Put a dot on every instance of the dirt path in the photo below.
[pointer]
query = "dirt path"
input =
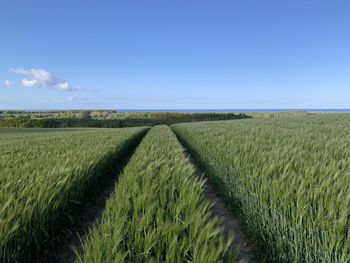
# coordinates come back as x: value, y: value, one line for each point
x: 230, y: 223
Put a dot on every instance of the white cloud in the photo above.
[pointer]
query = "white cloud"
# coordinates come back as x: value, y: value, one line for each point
x: 29, y: 83
x: 41, y: 78
x: 73, y: 98
x: 8, y: 84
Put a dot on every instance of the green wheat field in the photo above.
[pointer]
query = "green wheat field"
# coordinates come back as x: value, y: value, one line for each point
x: 285, y: 179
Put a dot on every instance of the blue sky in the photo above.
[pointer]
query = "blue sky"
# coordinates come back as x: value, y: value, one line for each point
x: 159, y: 54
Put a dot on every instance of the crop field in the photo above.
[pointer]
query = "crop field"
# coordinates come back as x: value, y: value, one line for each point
x: 158, y: 212
x: 287, y: 179
x: 44, y: 175
x: 20, y: 132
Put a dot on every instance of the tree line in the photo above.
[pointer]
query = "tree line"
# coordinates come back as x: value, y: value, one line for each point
x: 155, y: 119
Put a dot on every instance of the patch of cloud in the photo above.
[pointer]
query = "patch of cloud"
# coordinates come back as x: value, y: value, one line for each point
x: 8, y: 84
x: 85, y: 89
x: 73, y: 98
x: 41, y: 78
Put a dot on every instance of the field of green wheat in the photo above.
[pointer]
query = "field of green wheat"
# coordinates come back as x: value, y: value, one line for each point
x: 286, y: 179
x: 43, y: 175
x: 158, y: 212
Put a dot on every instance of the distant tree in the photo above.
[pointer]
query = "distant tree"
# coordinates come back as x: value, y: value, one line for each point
x: 86, y: 115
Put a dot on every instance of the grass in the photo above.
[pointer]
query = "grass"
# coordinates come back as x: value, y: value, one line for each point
x: 19, y: 132
x: 44, y: 176
x: 158, y: 212
x: 288, y: 179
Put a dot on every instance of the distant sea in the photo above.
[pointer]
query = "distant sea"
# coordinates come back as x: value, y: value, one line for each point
x: 201, y: 110
x: 235, y: 110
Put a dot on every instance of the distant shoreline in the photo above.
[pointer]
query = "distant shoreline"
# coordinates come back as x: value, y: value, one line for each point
x: 189, y: 110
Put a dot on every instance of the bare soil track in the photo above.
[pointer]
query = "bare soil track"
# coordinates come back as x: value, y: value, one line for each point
x: 230, y: 223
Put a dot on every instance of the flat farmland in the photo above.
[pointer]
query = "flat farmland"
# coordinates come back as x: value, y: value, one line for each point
x: 282, y: 184
x: 287, y: 178
x: 44, y: 174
